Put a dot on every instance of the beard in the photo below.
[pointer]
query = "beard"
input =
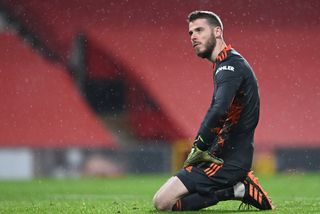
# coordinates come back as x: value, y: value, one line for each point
x: 209, y: 46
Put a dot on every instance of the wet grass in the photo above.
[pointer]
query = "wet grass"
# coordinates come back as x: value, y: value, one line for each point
x: 291, y: 193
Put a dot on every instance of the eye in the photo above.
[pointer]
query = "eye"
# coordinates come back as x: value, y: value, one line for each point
x: 199, y: 29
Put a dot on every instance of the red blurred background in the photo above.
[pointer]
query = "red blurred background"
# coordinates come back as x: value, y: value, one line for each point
x: 145, y: 45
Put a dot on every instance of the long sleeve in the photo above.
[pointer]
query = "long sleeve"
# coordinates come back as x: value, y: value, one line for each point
x: 227, y: 82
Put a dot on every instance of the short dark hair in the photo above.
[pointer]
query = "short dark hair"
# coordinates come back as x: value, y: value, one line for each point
x: 212, y: 18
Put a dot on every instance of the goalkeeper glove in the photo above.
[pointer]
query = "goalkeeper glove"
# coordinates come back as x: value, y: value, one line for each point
x: 197, y: 156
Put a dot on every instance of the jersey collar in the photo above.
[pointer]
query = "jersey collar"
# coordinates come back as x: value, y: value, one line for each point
x: 222, y: 55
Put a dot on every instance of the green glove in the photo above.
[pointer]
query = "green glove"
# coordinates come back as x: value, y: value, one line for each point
x: 197, y: 156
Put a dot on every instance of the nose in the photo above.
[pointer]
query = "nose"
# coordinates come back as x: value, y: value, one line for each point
x: 193, y: 37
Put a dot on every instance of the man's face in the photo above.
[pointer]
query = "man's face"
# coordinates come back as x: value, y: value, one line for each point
x: 202, y: 37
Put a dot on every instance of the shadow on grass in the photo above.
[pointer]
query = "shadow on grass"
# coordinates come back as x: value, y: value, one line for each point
x: 208, y: 211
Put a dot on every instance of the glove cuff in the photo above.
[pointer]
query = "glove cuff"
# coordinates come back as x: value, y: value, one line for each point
x: 201, y: 144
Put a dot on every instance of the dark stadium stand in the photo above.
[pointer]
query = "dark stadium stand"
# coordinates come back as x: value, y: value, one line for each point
x: 161, y: 85
x: 40, y: 104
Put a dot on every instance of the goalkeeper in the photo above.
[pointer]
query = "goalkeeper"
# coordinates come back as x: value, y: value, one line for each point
x: 218, y: 166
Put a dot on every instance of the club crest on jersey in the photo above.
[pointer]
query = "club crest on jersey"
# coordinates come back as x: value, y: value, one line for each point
x: 225, y: 67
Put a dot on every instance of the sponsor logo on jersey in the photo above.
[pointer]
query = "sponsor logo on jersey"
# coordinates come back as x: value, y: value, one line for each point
x: 225, y: 67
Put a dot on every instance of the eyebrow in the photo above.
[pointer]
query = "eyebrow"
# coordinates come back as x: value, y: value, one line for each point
x: 196, y: 29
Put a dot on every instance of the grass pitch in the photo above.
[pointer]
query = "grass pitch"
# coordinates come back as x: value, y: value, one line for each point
x: 298, y: 193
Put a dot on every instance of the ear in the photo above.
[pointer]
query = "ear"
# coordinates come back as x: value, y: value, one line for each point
x: 218, y: 32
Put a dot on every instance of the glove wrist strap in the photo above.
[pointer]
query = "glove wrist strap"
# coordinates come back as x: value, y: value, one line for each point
x: 201, y: 144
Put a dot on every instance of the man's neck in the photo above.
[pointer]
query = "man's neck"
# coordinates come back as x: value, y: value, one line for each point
x: 219, y: 47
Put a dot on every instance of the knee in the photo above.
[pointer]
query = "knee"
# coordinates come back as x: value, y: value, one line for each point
x: 160, y: 203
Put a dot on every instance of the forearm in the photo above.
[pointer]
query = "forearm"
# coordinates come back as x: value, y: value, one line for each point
x: 216, y: 114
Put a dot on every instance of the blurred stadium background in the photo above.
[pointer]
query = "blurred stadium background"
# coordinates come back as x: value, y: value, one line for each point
x: 104, y: 88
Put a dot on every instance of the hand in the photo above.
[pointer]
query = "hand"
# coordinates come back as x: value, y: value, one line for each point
x: 197, y: 156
